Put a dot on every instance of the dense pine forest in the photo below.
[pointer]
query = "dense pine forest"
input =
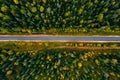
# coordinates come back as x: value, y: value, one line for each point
x: 37, y: 16
x: 59, y: 64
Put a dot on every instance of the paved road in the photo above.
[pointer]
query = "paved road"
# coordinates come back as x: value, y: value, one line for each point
x: 60, y: 38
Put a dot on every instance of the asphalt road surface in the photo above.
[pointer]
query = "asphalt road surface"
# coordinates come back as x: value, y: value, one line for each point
x: 60, y: 38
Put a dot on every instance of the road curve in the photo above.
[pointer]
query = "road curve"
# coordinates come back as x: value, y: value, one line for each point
x: 60, y: 38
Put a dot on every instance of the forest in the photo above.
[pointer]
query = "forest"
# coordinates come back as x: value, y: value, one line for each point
x: 59, y: 16
x: 64, y: 60
x: 60, y: 64
x: 59, y: 61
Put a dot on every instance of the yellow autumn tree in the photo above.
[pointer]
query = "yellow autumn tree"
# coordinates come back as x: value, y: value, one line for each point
x: 44, y: 1
x: 100, y: 17
x: 16, y: 1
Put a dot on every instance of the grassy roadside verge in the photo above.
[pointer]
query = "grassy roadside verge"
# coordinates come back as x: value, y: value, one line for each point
x: 67, y: 31
x: 31, y: 46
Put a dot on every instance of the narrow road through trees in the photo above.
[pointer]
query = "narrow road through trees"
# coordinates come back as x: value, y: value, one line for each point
x: 60, y: 38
